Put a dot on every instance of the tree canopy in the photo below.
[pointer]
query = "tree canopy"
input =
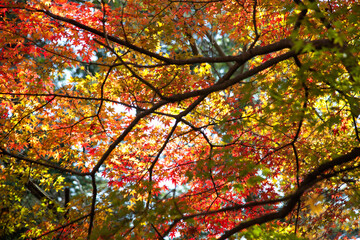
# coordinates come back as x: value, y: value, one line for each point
x: 179, y: 119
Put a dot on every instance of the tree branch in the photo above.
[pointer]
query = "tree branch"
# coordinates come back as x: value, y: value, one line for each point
x: 309, y: 181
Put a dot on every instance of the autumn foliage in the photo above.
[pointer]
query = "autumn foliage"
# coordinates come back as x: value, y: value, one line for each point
x: 204, y: 119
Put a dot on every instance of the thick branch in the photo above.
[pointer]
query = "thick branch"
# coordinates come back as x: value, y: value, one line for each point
x: 309, y: 181
x: 282, y: 44
x: 49, y: 165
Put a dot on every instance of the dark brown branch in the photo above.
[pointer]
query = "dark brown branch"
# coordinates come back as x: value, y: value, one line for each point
x: 65, y: 96
x: 62, y: 227
x: 102, y: 90
x: 233, y: 81
x: 217, y: 47
x: 157, y: 232
x: 297, y: 184
x: 161, y: 150
x: 41, y: 163
x: 282, y: 44
x: 66, y: 201
x: 124, y: 134
x: 356, y: 128
x: 226, y: 209
x: 93, y: 204
x: 301, y: 15
x: 309, y: 181
x: 257, y: 36
x: 27, y: 115
x: 39, y: 193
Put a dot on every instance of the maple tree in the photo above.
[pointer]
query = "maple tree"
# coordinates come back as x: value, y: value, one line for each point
x: 205, y: 119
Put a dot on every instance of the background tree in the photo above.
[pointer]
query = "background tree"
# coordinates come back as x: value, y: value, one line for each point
x: 206, y: 119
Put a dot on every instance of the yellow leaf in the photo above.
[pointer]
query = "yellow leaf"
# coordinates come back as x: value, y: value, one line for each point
x: 315, y: 204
